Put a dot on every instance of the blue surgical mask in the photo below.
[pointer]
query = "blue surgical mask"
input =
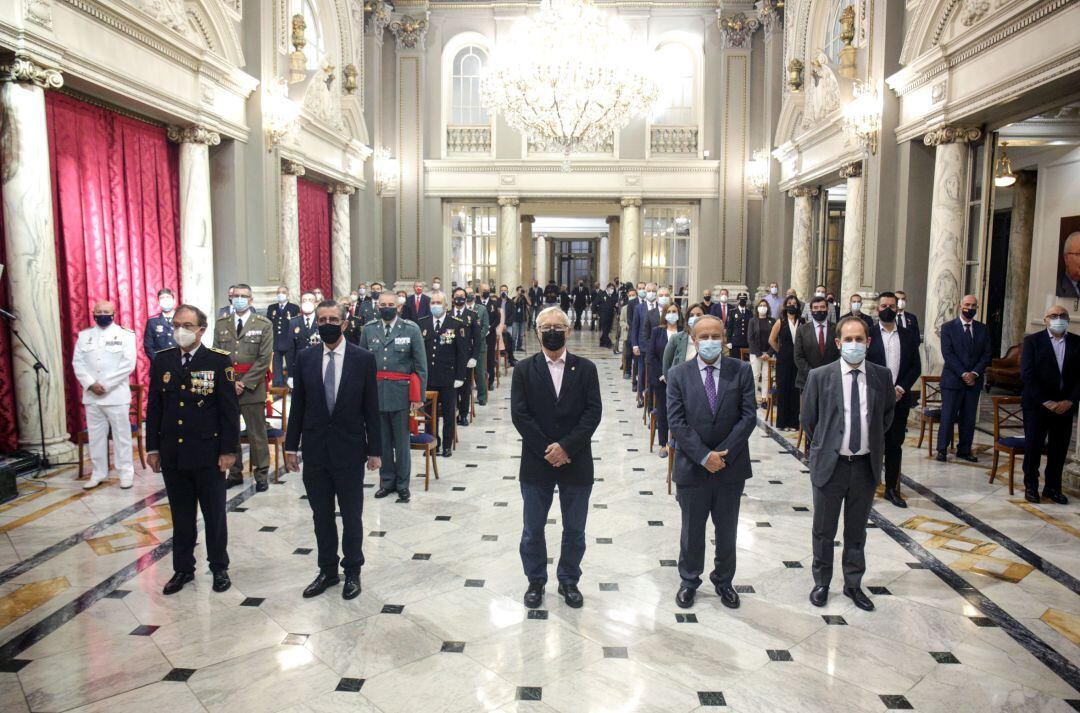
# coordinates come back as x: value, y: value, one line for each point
x: 437, y: 311
x: 671, y: 318
x: 282, y: 298
x: 710, y: 349
x: 240, y: 304
x: 650, y: 296
x: 1058, y: 325
x: 690, y: 322
x: 853, y: 352
x: 664, y: 301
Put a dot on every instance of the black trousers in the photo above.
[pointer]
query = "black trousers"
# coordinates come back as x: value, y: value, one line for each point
x: 958, y: 406
x: 851, y: 488
x: 492, y: 359
x: 279, y: 367
x: 536, y: 504
x: 894, y: 446
x: 577, y: 315
x: 346, y: 485
x: 1046, y: 432
x: 719, y: 497
x: 464, y: 393
x: 448, y: 399
x: 659, y: 390
x: 189, y: 491
x: 605, y: 332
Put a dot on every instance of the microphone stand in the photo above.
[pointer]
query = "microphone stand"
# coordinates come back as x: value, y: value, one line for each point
x: 43, y: 462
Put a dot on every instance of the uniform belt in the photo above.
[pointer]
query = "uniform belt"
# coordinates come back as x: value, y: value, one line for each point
x: 240, y: 368
x: 392, y: 376
x: 854, y: 459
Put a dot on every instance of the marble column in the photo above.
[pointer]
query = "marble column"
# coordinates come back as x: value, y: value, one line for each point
x: 851, y: 274
x: 412, y: 116
x: 196, y: 231
x: 801, y: 241
x: 945, y: 272
x: 341, y: 239
x: 527, y: 269
x: 509, y: 255
x: 31, y: 254
x: 541, y: 260
x: 630, y: 240
x: 614, y: 239
x: 1014, y: 321
x: 603, y: 271
x: 290, y: 228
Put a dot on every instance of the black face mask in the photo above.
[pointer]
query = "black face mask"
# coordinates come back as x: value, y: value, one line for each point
x: 103, y: 320
x: 887, y: 315
x: 792, y: 309
x: 819, y: 315
x: 484, y: 295
x: 330, y: 333
x: 707, y: 298
x: 503, y: 295
x: 388, y: 313
x: 969, y: 314
x: 742, y: 302
x: 459, y: 301
x: 553, y: 341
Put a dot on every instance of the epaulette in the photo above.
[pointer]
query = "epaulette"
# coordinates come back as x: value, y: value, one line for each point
x: 132, y: 331
x: 221, y: 351
x: 166, y: 349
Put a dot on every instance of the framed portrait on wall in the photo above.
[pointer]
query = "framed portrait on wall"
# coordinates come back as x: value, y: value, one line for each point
x: 1068, y: 272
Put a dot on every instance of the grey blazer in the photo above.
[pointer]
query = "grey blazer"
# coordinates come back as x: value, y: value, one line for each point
x: 697, y: 430
x: 675, y: 351
x: 823, y: 417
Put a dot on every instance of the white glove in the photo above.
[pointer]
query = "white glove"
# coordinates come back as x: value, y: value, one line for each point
x: 289, y: 382
x: 471, y: 363
x: 637, y: 351
x: 458, y: 383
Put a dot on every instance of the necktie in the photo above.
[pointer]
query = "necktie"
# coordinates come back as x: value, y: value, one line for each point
x: 185, y: 360
x: 710, y: 387
x: 418, y: 304
x: 388, y: 330
x: 970, y: 336
x: 328, y: 383
x: 821, y: 339
x: 438, y: 326
x: 855, y: 441
x: 239, y: 326
x: 903, y: 320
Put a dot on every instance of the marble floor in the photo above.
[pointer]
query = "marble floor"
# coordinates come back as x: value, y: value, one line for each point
x: 976, y: 594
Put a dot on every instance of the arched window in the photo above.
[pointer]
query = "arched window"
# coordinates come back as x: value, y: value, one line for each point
x: 833, y: 43
x: 465, y: 107
x: 315, y: 49
x: 677, y: 104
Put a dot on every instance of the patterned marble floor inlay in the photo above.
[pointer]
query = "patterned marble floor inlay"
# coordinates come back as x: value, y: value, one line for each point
x: 975, y: 592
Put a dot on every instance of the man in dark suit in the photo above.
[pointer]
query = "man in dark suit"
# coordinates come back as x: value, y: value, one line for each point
x: 897, y: 350
x: 417, y: 305
x: 581, y: 298
x: 192, y: 397
x: 555, y: 406
x: 551, y: 294
x: 1050, y: 370
x: 471, y: 323
x: 303, y: 332
x: 738, y: 323
x: 648, y: 317
x: 280, y: 315
x: 856, y: 303
x: 720, y: 308
x: 965, y: 349
x: 494, y: 315
x: 846, y: 410
x: 447, y: 347
x: 334, y: 420
x: 814, y: 345
x: 536, y: 302
x: 711, y: 414
x: 158, y: 333
x: 906, y: 319
x: 604, y: 304
x: 630, y: 317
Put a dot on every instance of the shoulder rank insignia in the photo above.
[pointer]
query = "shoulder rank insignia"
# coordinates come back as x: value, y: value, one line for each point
x: 230, y: 373
x: 221, y: 351
x: 166, y: 377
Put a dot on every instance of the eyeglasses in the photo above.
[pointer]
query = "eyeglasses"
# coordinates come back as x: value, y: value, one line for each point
x: 554, y: 328
x: 1058, y: 315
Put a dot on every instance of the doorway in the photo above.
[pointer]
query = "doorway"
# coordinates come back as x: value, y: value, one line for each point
x: 574, y: 260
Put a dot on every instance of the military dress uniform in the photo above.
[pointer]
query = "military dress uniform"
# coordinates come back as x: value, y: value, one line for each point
x: 447, y: 347
x: 251, y: 350
x: 398, y: 349
x: 365, y: 310
x: 192, y: 417
x: 483, y: 317
x: 492, y: 344
x: 304, y: 333
x: 471, y: 322
x: 737, y: 326
x: 280, y: 315
x: 352, y: 328
x: 157, y: 335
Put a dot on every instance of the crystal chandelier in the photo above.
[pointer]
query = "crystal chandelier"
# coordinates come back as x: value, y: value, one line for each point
x: 568, y: 79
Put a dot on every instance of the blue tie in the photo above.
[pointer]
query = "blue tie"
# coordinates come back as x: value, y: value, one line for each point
x: 710, y: 387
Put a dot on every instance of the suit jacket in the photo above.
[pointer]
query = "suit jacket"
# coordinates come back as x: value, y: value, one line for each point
x: 280, y: 315
x: 302, y: 337
x: 720, y: 311
x: 581, y: 296
x: 807, y: 356
x: 1039, y: 372
x: 910, y: 361
x: 910, y: 322
x: 409, y: 310
x: 536, y: 296
x: 447, y: 350
x: 1066, y: 288
x: 698, y: 430
x: 823, y: 417
x: 564, y: 300
x: 551, y: 294
x: 344, y: 438
x: 657, y: 343
x: 402, y: 352
x: 962, y: 355
x: 542, y: 418
x: 647, y: 319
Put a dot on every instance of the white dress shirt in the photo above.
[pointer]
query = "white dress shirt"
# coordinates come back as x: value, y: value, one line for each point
x: 702, y: 365
x: 845, y: 373
x: 890, y: 340
x: 339, y: 359
x: 1058, y: 343
x: 556, y: 367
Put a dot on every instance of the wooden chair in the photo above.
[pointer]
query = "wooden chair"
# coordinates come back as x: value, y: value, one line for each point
x: 1008, y: 416
x: 82, y: 438
x: 770, y: 391
x: 275, y: 437
x: 929, y: 408
x: 427, y: 440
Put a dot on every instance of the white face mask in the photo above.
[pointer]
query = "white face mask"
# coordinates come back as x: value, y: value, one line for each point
x: 436, y: 286
x: 901, y: 304
x: 664, y: 301
x: 400, y: 300
x: 819, y: 294
x: 723, y: 299
x: 307, y: 307
x: 166, y: 304
x: 856, y: 307
x: 282, y: 298
x: 671, y: 318
x: 184, y: 337
x: 762, y: 311
x: 354, y: 297
x: 772, y: 290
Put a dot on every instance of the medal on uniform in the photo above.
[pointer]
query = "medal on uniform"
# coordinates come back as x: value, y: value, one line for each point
x: 166, y: 377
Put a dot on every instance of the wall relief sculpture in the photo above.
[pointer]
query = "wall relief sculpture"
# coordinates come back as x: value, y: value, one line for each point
x: 822, y: 92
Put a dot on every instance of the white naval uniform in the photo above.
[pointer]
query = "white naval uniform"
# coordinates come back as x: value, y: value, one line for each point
x: 107, y: 357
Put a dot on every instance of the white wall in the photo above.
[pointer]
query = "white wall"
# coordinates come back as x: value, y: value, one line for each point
x: 1056, y: 197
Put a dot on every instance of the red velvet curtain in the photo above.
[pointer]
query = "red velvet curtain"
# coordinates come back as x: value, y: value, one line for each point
x: 116, y: 199
x: 314, y: 207
x: 9, y: 436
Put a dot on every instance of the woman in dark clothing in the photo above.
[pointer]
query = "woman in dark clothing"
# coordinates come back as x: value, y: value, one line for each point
x: 671, y: 325
x: 757, y: 336
x: 782, y: 341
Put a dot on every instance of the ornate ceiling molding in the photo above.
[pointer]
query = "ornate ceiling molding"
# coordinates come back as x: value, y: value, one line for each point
x: 952, y: 135
x: 736, y: 30
x: 193, y: 135
x: 24, y: 70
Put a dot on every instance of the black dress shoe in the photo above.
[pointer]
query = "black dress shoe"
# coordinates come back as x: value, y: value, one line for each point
x: 320, y: 584
x: 261, y: 486
x: 819, y: 595
x: 177, y: 582
x: 222, y: 581
x: 571, y: 595
x: 481, y: 402
x: 685, y: 597
x: 404, y: 496
x: 1032, y: 496
x: 534, y: 595
x: 968, y: 457
x: 1058, y: 498
x: 351, y: 590
x: 894, y: 497
x: 447, y: 451
x: 233, y: 482
x: 941, y: 457
x: 861, y: 600
x: 383, y: 492
x: 728, y: 596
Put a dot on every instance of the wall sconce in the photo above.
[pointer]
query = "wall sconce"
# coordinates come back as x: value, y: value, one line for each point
x: 757, y: 172
x: 281, y: 115
x: 297, y: 58
x: 795, y: 74
x: 386, y: 171
x: 350, y: 78
x: 1003, y: 170
x: 862, y: 115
